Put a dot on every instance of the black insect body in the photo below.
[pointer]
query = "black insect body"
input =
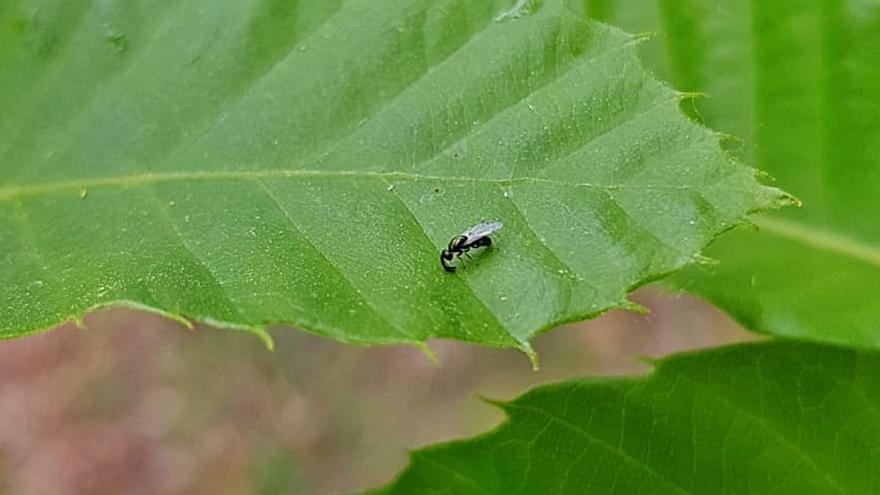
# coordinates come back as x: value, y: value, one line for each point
x: 474, y: 237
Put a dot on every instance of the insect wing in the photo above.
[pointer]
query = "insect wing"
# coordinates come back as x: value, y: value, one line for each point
x: 481, y: 230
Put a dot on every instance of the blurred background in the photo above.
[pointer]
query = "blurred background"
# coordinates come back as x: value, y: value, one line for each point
x: 136, y: 404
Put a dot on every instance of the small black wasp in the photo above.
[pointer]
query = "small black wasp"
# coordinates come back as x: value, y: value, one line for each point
x: 474, y: 237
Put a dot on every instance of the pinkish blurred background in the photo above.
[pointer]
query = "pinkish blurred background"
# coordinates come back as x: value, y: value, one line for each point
x: 139, y: 405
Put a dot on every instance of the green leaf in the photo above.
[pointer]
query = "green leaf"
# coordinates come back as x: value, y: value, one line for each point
x: 252, y: 162
x: 800, y: 82
x: 776, y: 417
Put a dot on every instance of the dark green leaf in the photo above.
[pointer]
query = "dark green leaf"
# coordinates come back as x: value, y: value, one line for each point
x: 761, y: 418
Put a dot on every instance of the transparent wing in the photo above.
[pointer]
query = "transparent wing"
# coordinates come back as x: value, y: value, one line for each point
x: 482, y: 229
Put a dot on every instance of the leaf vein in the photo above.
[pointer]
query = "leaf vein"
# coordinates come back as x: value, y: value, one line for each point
x: 292, y: 223
x: 821, y: 239
x: 504, y: 108
x: 11, y: 192
x: 465, y: 282
x: 645, y: 467
x: 389, y: 103
x: 163, y: 209
x: 783, y: 441
x: 260, y: 76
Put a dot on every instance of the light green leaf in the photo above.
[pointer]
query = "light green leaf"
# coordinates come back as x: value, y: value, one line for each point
x: 800, y: 82
x: 254, y: 162
x: 777, y: 417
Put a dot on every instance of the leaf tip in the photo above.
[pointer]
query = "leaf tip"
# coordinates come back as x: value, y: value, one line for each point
x: 704, y: 260
x: 639, y: 38
x: 260, y: 331
x: 650, y: 361
x: 690, y: 95
x: 266, y: 337
x: 634, y: 307
x: 78, y: 321
x: 526, y: 348
x: 183, y: 320
x: 427, y: 352
x: 786, y: 199
x: 729, y: 139
x: 773, y: 197
x: 500, y: 404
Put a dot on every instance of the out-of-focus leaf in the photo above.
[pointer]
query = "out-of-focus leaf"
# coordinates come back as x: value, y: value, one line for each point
x: 774, y: 417
x: 800, y: 83
x: 252, y: 162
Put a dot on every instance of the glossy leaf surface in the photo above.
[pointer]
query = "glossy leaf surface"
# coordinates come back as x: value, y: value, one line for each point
x: 254, y: 162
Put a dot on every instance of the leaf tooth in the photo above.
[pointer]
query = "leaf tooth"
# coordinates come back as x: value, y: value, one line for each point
x: 630, y: 305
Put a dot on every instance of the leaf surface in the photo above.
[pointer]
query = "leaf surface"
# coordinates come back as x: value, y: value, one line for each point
x: 800, y: 83
x: 252, y: 162
x: 775, y: 417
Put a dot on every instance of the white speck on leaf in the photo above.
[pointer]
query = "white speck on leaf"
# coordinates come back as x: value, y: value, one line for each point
x: 518, y: 10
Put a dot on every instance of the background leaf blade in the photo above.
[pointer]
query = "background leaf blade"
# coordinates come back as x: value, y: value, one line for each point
x: 798, y: 82
x: 770, y: 417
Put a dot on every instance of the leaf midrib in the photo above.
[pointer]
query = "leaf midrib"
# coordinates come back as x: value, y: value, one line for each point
x: 821, y: 239
x: 13, y: 192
